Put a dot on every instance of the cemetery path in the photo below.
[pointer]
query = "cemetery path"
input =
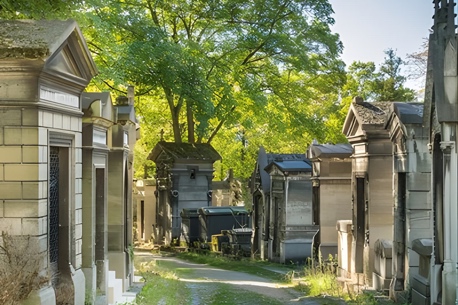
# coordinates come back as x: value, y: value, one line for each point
x: 203, y: 280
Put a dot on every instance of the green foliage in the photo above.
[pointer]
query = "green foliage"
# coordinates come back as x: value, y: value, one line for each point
x: 384, y: 84
x: 36, y: 9
x: 210, y: 61
x: 236, y: 74
x: 389, y: 83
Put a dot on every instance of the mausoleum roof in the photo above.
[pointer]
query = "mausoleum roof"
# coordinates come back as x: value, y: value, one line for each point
x: 184, y: 151
x: 409, y: 113
x: 33, y: 39
x: 329, y: 150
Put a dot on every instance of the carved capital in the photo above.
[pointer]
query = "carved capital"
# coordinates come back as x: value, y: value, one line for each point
x: 447, y: 146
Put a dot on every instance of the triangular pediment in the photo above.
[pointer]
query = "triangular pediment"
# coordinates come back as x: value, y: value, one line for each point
x: 56, y: 47
x: 352, y: 126
x: 65, y: 63
x: 71, y: 59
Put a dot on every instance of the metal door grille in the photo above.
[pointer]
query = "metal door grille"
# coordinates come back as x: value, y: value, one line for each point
x: 53, y: 204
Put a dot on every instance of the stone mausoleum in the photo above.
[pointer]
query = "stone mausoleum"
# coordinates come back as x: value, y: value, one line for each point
x: 65, y: 164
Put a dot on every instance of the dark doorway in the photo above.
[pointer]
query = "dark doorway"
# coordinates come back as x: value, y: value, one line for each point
x: 360, y: 223
x: 100, y: 221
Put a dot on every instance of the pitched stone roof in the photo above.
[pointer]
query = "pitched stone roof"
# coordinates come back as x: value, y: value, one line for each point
x: 372, y: 113
x: 329, y: 150
x: 32, y: 39
x: 409, y: 113
x: 184, y: 151
x: 290, y: 166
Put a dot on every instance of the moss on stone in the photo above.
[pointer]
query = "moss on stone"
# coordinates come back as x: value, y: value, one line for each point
x: 28, y: 38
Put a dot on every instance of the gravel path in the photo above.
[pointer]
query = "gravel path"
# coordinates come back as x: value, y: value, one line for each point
x: 203, y: 279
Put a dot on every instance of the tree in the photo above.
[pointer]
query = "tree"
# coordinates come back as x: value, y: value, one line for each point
x: 363, y: 79
x: 205, y: 71
x: 36, y: 9
x: 388, y: 84
x: 209, y: 62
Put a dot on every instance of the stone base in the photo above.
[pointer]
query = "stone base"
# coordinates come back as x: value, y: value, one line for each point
x: 79, y: 284
x: 44, y: 296
x: 419, y: 299
x: 380, y: 283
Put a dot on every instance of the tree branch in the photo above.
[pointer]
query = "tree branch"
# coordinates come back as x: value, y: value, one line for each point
x: 220, y: 124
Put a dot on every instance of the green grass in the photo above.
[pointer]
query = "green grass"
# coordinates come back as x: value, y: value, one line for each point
x: 317, y: 283
x: 163, y: 287
x: 250, y: 266
x: 230, y: 295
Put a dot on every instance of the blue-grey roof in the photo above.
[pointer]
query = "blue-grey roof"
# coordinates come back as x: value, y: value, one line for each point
x: 264, y: 159
x: 225, y: 210
x: 409, y: 113
x: 291, y: 166
x: 126, y: 112
x: 329, y: 151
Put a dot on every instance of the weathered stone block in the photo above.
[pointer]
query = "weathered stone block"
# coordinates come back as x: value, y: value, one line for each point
x: 32, y: 190
x: 10, y: 82
x: 418, y: 181
x: 78, y: 171
x: 10, y: 154
x: 22, y: 172
x: 30, y: 154
x: 78, y: 216
x: 21, y: 208
x: 42, y: 136
x: 11, y: 225
x: 78, y: 261
x: 78, y: 186
x: 78, y: 155
x: 75, y: 124
x: 10, y: 116
x: 57, y: 120
x: 418, y: 200
x: 78, y: 201
x: 12, y: 136
x: 21, y: 136
x: 10, y: 190
x: 34, y: 226
x: 30, y: 117
x: 78, y: 140
x: 46, y: 119
x: 78, y: 231
x: 66, y: 122
x: 30, y: 136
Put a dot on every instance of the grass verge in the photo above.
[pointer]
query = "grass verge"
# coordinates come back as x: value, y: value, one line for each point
x: 161, y: 286
x: 247, y: 265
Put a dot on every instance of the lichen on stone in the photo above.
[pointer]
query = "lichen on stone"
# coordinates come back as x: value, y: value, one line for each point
x: 29, y: 39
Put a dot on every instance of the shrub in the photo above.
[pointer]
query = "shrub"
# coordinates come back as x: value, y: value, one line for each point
x: 20, y: 266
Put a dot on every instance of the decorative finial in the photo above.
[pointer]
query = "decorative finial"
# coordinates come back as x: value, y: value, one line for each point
x: 358, y: 100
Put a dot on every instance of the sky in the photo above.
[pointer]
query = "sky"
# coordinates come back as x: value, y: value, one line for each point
x: 368, y: 27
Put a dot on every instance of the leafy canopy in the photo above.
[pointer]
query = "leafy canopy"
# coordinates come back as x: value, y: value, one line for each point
x: 209, y: 63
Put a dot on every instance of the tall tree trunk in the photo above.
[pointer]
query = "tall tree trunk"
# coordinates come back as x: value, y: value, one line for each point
x: 176, y: 126
x: 175, y: 114
x: 190, y: 119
